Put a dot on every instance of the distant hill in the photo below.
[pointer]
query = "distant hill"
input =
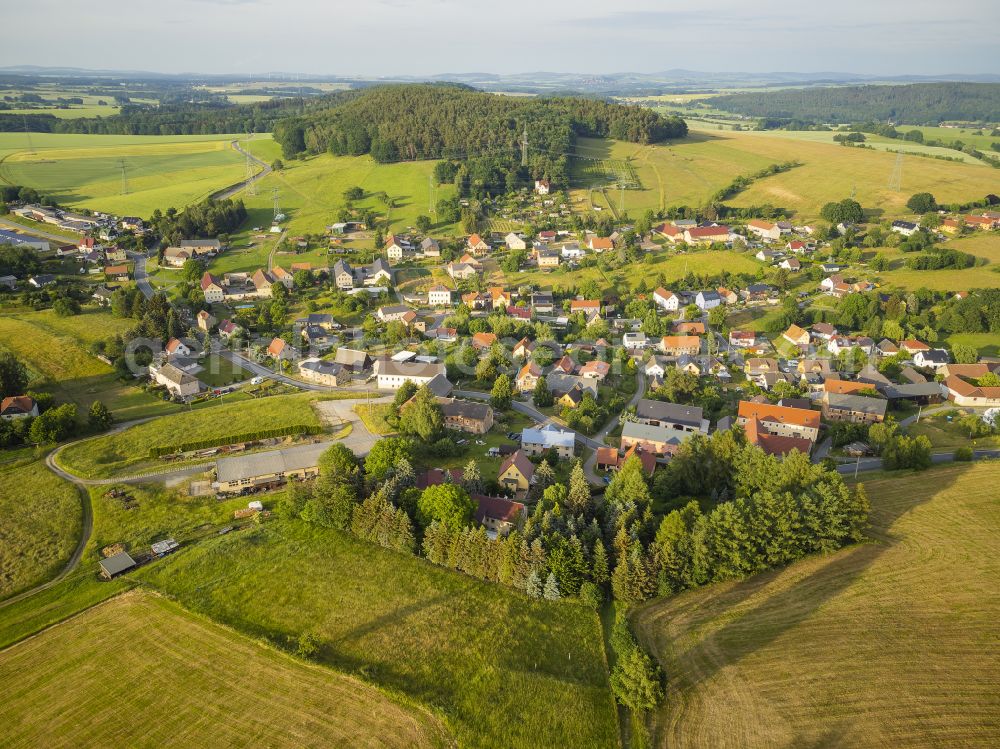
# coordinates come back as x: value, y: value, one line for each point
x: 915, y: 104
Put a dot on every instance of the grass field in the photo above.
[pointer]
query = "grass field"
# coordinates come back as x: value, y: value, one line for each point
x: 373, y: 417
x: 140, y: 671
x: 55, y: 350
x: 981, y: 244
x: 84, y: 171
x: 40, y: 527
x: 506, y: 671
x: 110, y: 454
x: 948, y: 435
x: 891, y: 643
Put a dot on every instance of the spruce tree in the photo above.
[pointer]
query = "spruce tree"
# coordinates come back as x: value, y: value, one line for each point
x: 534, y: 585
x: 578, y: 498
x: 551, y: 591
x: 472, y: 480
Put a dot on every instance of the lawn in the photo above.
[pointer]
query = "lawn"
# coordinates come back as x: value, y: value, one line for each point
x: 948, y: 435
x: 55, y: 350
x: 373, y: 416
x: 504, y: 671
x: 982, y: 244
x: 890, y: 643
x: 141, y: 671
x: 85, y: 171
x: 218, y: 371
x: 110, y: 454
x: 40, y: 527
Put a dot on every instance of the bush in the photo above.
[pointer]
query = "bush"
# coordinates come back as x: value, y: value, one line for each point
x: 963, y: 454
x: 260, y: 434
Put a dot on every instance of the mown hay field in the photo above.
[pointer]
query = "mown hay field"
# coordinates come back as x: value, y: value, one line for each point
x: 891, y: 643
x: 140, y: 671
x: 505, y: 670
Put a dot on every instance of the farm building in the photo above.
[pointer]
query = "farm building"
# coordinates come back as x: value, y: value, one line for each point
x: 267, y: 469
x: 116, y: 565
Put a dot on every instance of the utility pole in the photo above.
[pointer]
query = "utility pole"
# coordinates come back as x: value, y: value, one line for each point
x: 896, y: 179
x: 524, y: 147
x: 430, y: 194
x: 251, y: 188
x: 27, y: 133
x: 121, y: 163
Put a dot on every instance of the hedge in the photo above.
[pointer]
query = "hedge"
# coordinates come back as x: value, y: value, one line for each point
x: 157, y: 452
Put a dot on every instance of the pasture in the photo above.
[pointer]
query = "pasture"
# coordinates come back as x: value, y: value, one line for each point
x: 504, y: 670
x: 140, y: 671
x: 110, y: 454
x: 41, y: 515
x: 889, y: 643
x: 985, y: 245
x: 55, y: 350
x: 84, y: 171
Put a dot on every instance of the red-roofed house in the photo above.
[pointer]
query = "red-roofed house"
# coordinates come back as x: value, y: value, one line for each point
x: 516, y: 473
x: 499, y: 515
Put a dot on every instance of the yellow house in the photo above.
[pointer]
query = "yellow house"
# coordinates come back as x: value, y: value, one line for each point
x: 516, y: 473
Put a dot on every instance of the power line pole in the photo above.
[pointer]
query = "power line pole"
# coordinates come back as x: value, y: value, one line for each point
x: 250, y: 182
x: 274, y: 197
x: 27, y: 133
x: 430, y: 194
x: 524, y: 147
x: 896, y: 180
x: 121, y: 162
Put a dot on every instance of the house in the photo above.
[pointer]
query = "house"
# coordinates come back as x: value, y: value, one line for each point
x: 117, y: 273
x: 473, y: 417
x: 706, y: 234
x: 963, y: 393
x: 572, y: 251
x: 343, y: 275
x: 591, y: 308
x: 393, y: 248
x: 742, y: 338
x: 782, y: 421
x: 317, y: 337
x: 527, y: 377
x: 561, y: 384
x: 462, y: 271
x: 542, y: 186
x: 212, y: 289
x: 886, y: 347
x: 322, y: 371
x: 390, y: 375
x: 500, y: 298
x: 676, y: 345
x: 523, y: 348
x: 102, y: 294
x: 549, y: 437
x: 797, y: 246
x: 477, y: 245
x: 572, y: 398
x: 352, y: 359
x: 178, y: 382
x: 911, y: 375
x: 268, y: 469
x: 845, y: 387
x: 906, y: 228
x: 609, y: 459
x: 633, y: 341
x: 796, y: 335
x: 565, y: 365
x: 823, y: 331
x: 499, y: 515
x: 727, y: 296
x: 176, y: 347
x: 951, y: 226
x: 443, y: 334
x: 671, y: 232
x: 516, y: 473
x: 595, y: 370
x: 279, y: 350
x: 547, y: 235
x: 979, y: 222
x: 706, y: 300
x: 379, y: 273
x: 205, y: 320
x: 175, y: 257
x: 656, y: 440
x: 921, y: 393
x: 542, y: 302
x: 655, y: 367
x: 392, y: 312
x: 283, y: 277
x: 483, y: 341
x: 774, y: 444
x: 755, y: 293
x: 791, y: 264
x: 673, y: 415
x: 548, y: 259
x: 18, y: 407
x: 198, y: 247
x: 515, y: 242
x: 767, y: 256
x: 764, y: 230
x: 858, y: 409
x: 912, y: 346
x: 116, y: 564
x: 668, y: 300
x: 430, y: 247
x: 600, y: 244
x: 689, y: 327
x: 439, y: 296
x: 227, y: 329
x: 934, y: 358
x: 42, y: 280
x: 755, y: 366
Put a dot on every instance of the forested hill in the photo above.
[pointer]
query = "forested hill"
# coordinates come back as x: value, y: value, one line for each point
x: 398, y: 122
x: 913, y: 104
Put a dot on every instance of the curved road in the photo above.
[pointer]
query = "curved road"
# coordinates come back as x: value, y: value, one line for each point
x: 229, y: 192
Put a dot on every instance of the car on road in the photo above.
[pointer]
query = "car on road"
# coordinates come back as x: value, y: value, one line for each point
x: 257, y: 380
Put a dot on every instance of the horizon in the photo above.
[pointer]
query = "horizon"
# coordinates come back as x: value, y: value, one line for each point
x: 889, y: 39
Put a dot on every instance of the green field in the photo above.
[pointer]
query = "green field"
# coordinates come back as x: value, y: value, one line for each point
x: 84, y: 171
x: 948, y: 435
x: 504, y: 671
x: 890, y: 643
x: 140, y: 671
x: 110, y: 454
x: 55, y: 350
x: 981, y: 244
x: 41, y: 516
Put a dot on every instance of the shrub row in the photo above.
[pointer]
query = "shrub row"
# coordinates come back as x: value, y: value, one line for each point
x: 259, y: 434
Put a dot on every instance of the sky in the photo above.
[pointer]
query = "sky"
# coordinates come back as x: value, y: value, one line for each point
x: 427, y: 37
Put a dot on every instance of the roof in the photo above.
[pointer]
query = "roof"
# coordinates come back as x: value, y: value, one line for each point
x: 439, y: 384
x: 208, y: 280
x: 116, y: 270
x: 475, y: 410
x: 408, y: 369
x: 549, y: 436
x: 276, y: 347
x: 781, y: 414
x: 321, y: 366
x: 529, y: 369
x: 117, y: 563
x: 497, y: 508
x: 649, y: 433
x: 200, y: 243
x: 856, y: 403
x: 680, y: 341
x: 17, y: 404
x: 351, y: 357
x: 912, y: 390
x: 708, y: 231
x: 935, y: 355
x: 845, y: 387
x: 795, y: 333
x: 760, y: 224
x: 774, y: 444
x: 661, y: 411
x: 519, y: 461
x: 269, y: 462
x: 175, y: 375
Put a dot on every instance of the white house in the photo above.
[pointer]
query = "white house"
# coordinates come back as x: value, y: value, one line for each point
x: 390, y: 375
x: 668, y: 300
x: 934, y: 358
x: 572, y: 252
x: 515, y: 242
x: 542, y: 186
x: 906, y: 228
x: 439, y: 296
x: 707, y: 299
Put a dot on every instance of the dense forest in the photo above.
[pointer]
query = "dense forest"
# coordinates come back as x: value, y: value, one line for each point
x: 483, y: 131
x: 914, y: 104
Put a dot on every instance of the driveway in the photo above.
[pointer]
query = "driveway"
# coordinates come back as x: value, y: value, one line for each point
x: 361, y: 439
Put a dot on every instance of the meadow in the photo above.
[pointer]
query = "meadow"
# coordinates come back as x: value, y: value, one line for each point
x: 140, y: 671
x: 42, y: 515
x: 84, y: 171
x: 503, y: 670
x: 888, y: 643
x: 55, y: 350
x: 985, y: 245
x: 109, y: 454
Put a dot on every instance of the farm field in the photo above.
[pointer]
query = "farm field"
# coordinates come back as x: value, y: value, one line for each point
x: 311, y: 191
x: 70, y: 112
x: 505, y: 670
x: 888, y: 643
x: 55, y: 350
x: 41, y: 515
x: 108, y: 454
x: 689, y: 171
x: 878, y: 142
x: 89, y: 681
x: 982, y: 244
x: 84, y: 171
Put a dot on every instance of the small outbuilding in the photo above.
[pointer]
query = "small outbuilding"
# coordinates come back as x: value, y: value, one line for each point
x: 116, y: 565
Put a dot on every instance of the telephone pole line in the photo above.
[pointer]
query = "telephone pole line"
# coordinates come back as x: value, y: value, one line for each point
x: 524, y: 147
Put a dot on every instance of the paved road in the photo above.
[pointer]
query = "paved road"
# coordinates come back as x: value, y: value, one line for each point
x: 36, y: 232
x: 590, y: 464
x: 875, y: 464
x: 229, y: 192
x: 140, y: 274
x: 361, y: 439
